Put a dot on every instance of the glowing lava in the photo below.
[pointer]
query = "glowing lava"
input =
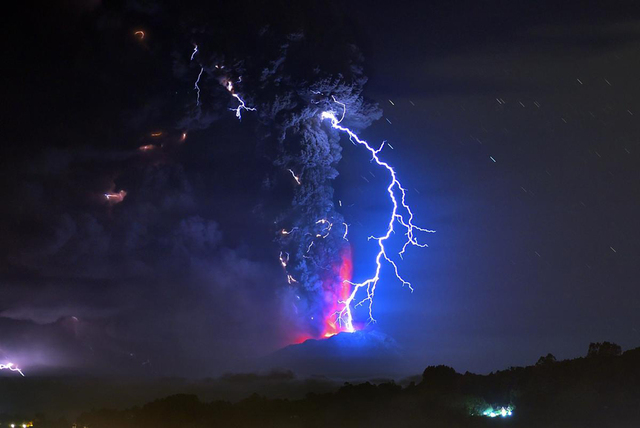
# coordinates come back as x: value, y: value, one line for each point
x: 339, y: 286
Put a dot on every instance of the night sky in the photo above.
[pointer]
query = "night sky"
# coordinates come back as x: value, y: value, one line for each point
x: 514, y: 128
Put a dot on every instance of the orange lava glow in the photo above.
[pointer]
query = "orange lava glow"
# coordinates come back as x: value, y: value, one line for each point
x: 337, y: 293
x: 301, y: 338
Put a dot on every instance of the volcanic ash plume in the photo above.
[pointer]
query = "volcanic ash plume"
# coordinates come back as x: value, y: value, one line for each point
x: 289, y: 93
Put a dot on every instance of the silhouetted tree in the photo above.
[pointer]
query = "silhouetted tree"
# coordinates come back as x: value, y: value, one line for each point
x: 544, y: 361
x: 442, y: 377
x: 604, y: 349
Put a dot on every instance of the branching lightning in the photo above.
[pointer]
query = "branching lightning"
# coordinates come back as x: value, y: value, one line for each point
x: 401, y: 215
x: 12, y: 367
x: 242, y: 105
x: 228, y: 84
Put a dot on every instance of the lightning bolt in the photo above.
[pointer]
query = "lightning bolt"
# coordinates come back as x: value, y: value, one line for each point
x: 195, y: 51
x: 241, y: 107
x: 12, y: 367
x: 284, y: 258
x: 288, y: 232
x: 327, y: 225
x: 115, y: 197
x: 295, y: 177
x: 196, y: 87
x: 346, y: 231
x: 401, y: 216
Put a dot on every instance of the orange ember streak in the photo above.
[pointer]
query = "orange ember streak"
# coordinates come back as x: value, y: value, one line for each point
x: 139, y: 33
x: 146, y: 148
x: 156, y: 134
x: 184, y: 136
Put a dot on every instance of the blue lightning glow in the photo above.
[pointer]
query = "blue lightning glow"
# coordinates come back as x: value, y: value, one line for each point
x: 195, y: 51
x: 404, y: 219
x: 242, y: 106
x: 12, y: 367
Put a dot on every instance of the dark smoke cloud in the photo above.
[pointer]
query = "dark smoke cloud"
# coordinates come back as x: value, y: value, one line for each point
x: 150, y: 267
x: 183, y: 272
x: 291, y: 77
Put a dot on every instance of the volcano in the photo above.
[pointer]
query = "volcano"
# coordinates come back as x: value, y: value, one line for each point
x: 362, y: 354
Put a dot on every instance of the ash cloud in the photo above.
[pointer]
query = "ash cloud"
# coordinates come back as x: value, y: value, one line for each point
x: 183, y: 272
x: 153, y: 273
x: 291, y: 75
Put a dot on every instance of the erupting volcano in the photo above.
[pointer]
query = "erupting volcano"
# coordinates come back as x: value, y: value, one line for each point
x: 338, y: 291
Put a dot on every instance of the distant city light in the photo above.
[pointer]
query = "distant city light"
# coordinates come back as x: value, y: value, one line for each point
x: 501, y: 411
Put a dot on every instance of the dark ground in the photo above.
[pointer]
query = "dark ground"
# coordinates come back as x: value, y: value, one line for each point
x: 598, y: 390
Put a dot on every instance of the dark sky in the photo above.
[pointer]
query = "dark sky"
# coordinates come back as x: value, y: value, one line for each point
x: 514, y: 128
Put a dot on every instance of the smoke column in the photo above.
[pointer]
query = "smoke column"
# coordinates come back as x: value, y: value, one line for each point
x: 286, y: 82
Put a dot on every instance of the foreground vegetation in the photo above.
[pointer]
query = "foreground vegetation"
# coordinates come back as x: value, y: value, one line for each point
x: 601, y: 389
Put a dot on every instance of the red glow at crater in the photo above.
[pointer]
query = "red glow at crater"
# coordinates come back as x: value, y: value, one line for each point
x: 336, y: 291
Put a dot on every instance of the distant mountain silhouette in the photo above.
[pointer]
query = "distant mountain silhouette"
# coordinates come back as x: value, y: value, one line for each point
x: 363, y: 354
x: 599, y: 390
